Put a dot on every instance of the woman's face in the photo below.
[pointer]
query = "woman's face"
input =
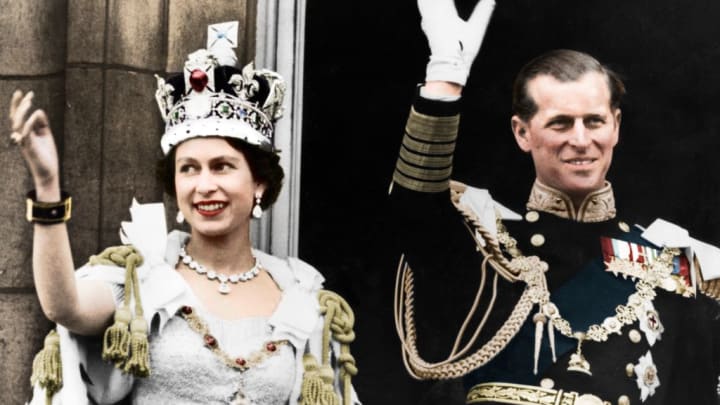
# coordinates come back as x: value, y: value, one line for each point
x: 214, y: 186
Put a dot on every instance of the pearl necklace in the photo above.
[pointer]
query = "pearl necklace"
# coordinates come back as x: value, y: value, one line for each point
x: 223, y: 279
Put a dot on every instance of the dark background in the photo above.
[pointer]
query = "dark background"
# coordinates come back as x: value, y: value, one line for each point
x: 363, y: 60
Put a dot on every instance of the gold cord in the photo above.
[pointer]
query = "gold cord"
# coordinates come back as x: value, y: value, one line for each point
x: 528, y: 269
x: 480, y: 326
x: 125, y: 341
x: 473, y: 308
x: 339, y: 321
x: 454, y: 366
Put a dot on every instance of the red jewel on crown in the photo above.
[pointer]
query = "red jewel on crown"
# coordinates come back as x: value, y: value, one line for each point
x: 198, y: 80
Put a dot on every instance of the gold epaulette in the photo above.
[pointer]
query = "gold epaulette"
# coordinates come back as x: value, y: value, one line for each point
x: 711, y: 288
x: 486, y: 243
x: 426, y: 154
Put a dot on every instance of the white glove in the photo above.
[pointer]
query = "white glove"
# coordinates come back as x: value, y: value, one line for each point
x: 454, y: 43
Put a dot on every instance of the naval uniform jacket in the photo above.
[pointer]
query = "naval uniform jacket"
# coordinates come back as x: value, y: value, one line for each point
x: 447, y: 274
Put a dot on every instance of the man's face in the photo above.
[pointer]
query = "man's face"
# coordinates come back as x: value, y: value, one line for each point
x: 572, y: 135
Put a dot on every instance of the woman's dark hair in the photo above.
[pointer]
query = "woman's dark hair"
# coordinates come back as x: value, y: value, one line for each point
x: 264, y: 167
x: 565, y: 66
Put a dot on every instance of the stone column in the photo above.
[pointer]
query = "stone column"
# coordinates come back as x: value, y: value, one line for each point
x: 32, y: 57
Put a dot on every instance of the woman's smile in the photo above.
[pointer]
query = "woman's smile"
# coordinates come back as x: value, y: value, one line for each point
x: 210, y: 208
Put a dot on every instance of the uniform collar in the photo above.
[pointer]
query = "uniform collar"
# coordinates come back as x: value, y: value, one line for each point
x: 597, y: 206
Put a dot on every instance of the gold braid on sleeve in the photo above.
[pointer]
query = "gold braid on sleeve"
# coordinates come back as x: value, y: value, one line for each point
x: 425, y: 160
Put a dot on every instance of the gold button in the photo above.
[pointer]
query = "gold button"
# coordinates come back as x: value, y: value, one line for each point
x: 537, y: 240
x: 635, y: 336
x: 624, y: 226
x: 623, y: 400
x: 630, y: 370
x: 532, y: 216
x: 547, y: 383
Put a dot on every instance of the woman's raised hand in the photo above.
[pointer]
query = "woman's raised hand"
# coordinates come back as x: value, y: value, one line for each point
x: 31, y: 131
x: 453, y: 42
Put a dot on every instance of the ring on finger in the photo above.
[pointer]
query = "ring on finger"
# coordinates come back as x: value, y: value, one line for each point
x: 17, y: 137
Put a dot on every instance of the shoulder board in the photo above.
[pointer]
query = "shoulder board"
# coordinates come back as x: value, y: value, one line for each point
x: 483, y: 218
x: 710, y: 288
x: 705, y: 257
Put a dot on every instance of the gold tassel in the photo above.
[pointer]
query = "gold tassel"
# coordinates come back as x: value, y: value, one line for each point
x: 328, y: 395
x: 317, y: 385
x: 116, y: 340
x: 47, y: 366
x: 312, y: 383
x: 329, y: 398
x: 125, y: 342
x: 327, y: 374
x: 539, y: 320
x: 139, y: 362
x: 551, y: 337
x: 339, y: 321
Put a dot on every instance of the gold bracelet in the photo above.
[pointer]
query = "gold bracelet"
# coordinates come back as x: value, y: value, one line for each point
x: 48, y: 213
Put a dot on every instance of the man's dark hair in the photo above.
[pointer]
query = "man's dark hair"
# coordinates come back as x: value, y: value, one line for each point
x: 565, y: 66
x: 264, y: 166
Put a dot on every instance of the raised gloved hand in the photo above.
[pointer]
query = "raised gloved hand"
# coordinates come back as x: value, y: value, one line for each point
x: 454, y: 43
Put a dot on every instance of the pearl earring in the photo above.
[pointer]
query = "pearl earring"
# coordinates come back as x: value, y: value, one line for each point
x: 257, y: 209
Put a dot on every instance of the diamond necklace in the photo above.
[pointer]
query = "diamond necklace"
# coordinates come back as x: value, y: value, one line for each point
x: 223, y: 279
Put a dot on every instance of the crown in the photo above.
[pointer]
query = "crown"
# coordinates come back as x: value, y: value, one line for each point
x: 213, y: 98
